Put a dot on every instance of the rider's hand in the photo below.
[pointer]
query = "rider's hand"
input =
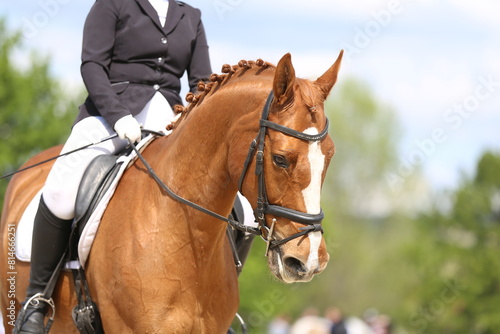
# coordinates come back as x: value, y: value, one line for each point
x: 128, y: 127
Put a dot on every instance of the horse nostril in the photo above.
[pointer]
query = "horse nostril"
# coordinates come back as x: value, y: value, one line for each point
x: 294, y: 264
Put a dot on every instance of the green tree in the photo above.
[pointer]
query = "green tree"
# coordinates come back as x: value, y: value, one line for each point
x: 365, y: 132
x: 36, y: 112
x: 457, y: 286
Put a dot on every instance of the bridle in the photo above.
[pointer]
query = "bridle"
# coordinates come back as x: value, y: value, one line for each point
x: 312, y: 222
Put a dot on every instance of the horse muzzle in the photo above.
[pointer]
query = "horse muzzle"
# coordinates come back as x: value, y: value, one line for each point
x: 292, y: 263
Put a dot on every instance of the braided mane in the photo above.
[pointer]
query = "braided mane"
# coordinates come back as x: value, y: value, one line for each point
x: 215, y: 81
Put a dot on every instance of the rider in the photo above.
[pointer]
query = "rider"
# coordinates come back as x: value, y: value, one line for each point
x: 134, y: 54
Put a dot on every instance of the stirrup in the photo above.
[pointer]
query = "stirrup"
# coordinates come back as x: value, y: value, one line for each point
x: 35, y: 301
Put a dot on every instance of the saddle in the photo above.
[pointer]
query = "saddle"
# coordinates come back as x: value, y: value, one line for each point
x: 96, y: 180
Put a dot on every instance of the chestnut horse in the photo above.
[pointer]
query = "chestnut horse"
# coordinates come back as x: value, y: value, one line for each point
x: 161, y: 266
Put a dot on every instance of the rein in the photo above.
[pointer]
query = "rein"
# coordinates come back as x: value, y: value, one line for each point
x: 233, y: 223
x: 312, y: 221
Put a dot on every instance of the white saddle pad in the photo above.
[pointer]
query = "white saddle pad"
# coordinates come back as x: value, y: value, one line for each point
x: 25, y: 227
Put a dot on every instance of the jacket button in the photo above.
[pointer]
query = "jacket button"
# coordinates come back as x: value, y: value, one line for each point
x: 160, y: 59
x: 163, y: 40
x: 156, y: 87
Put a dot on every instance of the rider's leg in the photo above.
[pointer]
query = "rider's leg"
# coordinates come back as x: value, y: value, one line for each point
x: 62, y: 183
x: 52, y: 224
x: 50, y: 236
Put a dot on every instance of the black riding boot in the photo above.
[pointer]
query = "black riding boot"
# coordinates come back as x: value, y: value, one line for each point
x: 50, y: 238
x: 243, y: 244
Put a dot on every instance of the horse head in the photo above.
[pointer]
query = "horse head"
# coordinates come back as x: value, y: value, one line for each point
x: 295, y: 151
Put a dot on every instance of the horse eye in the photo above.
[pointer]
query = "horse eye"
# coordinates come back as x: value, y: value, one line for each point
x: 280, y: 161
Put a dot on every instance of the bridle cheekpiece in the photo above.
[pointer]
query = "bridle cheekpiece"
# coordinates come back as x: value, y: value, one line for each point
x: 312, y: 222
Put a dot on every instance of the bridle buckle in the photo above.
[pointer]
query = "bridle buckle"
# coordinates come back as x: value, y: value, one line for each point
x: 269, y: 238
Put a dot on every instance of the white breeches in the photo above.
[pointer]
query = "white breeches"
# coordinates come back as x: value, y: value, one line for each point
x: 61, y: 186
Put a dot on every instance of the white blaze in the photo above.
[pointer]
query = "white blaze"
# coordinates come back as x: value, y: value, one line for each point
x: 311, y: 195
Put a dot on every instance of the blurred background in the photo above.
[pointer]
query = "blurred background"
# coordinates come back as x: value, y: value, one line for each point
x: 412, y: 196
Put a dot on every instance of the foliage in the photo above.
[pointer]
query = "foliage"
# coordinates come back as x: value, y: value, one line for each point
x: 457, y: 289
x: 365, y: 132
x: 36, y: 112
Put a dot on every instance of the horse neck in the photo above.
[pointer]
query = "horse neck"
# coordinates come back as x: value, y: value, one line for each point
x: 202, y: 148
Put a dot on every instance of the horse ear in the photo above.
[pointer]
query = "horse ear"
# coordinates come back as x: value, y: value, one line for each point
x: 328, y: 79
x: 284, y: 79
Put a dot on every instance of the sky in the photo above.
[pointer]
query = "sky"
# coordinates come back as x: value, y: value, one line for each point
x: 435, y: 62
